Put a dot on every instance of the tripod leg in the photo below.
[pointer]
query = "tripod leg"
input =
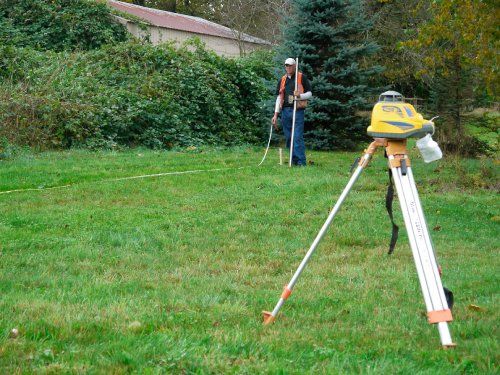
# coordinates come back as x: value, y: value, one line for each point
x: 269, y: 317
x: 423, y: 253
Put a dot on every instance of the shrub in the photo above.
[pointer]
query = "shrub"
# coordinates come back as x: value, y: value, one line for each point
x: 58, y: 24
x: 132, y: 94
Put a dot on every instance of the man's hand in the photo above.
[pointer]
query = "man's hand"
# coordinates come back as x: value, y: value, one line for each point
x: 296, y: 94
x: 275, y: 121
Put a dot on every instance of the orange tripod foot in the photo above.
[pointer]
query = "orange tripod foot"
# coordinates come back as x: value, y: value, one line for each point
x: 268, y: 318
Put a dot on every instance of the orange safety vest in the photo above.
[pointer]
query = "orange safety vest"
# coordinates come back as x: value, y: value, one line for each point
x: 300, y: 103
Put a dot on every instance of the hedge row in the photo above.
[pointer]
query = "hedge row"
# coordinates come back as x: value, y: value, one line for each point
x: 131, y: 94
x: 58, y: 25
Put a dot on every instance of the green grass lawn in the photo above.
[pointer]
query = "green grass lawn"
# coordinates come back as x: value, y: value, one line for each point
x: 170, y: 274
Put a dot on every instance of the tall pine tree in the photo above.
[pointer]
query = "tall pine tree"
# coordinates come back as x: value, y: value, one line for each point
x: 329, y: 36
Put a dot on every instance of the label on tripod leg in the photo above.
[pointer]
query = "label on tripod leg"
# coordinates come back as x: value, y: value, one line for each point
x: 416, y: 222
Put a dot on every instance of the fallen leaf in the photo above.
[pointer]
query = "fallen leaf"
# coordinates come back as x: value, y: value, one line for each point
x: 475, y: 308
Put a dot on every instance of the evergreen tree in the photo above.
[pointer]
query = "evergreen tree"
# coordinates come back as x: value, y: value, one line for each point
x: 329, y: 37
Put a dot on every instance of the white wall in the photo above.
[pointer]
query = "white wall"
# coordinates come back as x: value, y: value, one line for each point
x: 222, y: 46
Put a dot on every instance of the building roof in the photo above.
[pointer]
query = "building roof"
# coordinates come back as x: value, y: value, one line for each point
x: 176, y: 21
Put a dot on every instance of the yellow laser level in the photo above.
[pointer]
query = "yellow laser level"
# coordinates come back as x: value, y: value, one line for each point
x: 392, y: 118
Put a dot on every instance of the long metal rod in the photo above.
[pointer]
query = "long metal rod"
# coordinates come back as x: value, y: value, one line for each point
x: 294, y: 111
x: 288, y: 289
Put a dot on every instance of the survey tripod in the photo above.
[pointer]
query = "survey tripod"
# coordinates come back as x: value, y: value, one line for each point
x: 436, y: 303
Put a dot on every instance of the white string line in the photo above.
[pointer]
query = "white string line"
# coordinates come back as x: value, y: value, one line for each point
x: 148, y: 175
x: 174, y: 173
x: 35, y: 189
x: 268, y: 144
x: 128, y: 178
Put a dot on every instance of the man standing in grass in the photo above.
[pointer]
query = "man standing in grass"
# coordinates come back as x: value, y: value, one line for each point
x: 286, y: 95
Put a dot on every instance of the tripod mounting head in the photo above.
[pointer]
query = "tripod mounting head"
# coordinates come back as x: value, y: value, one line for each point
x: 392, y: 118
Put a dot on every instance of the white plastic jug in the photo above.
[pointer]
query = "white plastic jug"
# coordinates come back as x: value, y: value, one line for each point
x: 429, y: 149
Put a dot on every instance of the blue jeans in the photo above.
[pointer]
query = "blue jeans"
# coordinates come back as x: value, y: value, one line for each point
x: 299, y: 148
